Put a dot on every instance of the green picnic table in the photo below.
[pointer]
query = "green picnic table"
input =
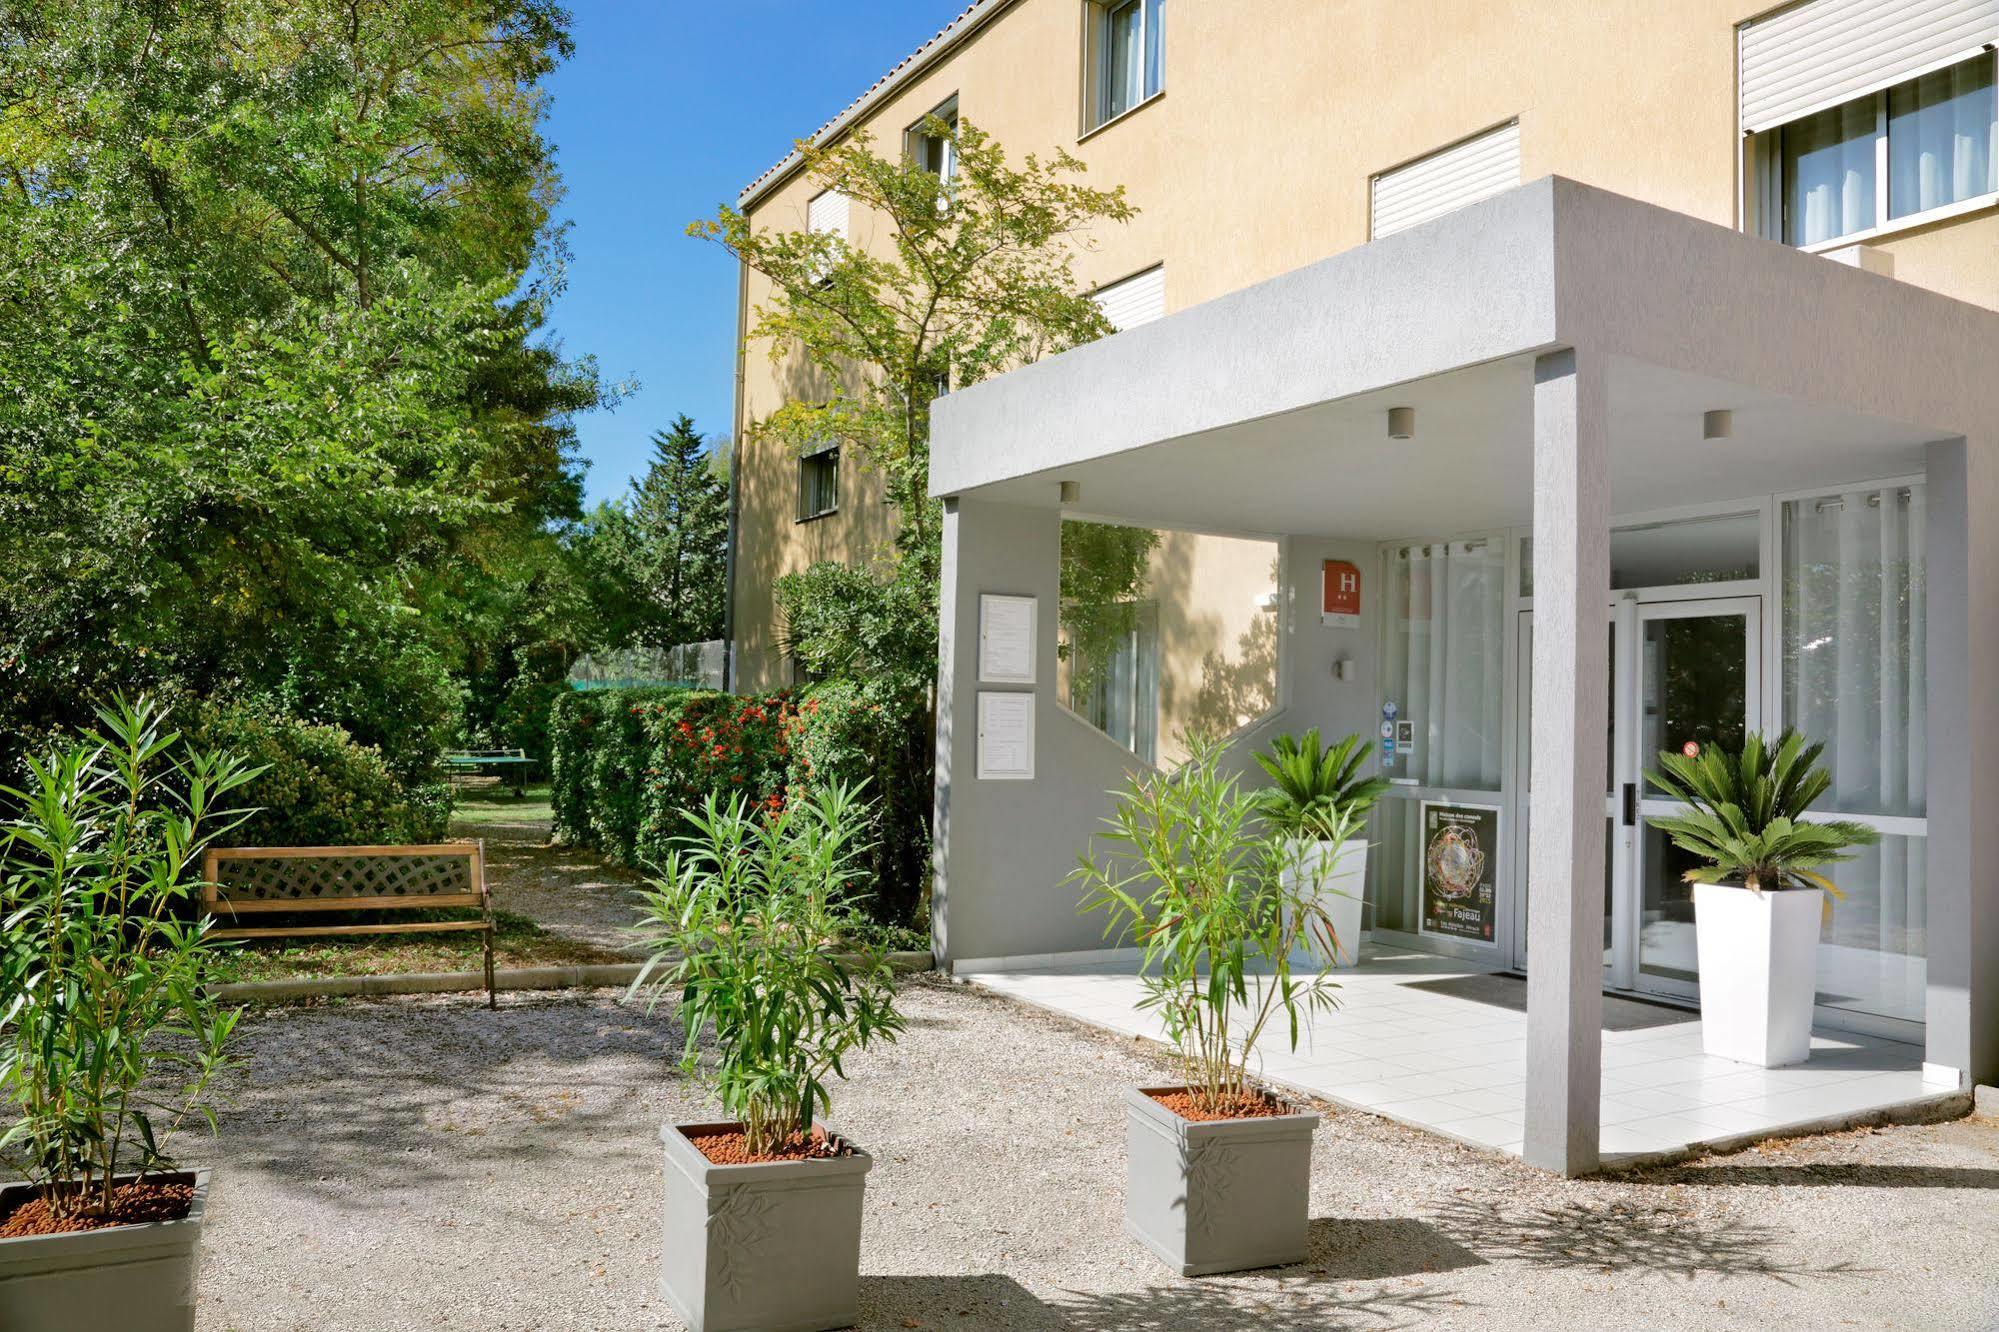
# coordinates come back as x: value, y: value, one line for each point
x: 504, y: 763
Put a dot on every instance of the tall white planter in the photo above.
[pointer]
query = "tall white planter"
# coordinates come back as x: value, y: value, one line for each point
x: 1340, y: 894
x: 1759, y: 971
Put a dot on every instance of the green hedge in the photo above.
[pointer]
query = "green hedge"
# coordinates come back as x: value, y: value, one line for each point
x: 625, y: 762
x: 320, y: 787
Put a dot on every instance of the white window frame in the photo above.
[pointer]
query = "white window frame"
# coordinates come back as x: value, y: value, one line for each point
x: 830, y: 459
x: 917, y: 141
x: 1096, y: 63
x: 1763, y: 179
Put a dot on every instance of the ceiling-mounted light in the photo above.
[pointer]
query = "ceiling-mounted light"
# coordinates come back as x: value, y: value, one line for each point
x: 1402, y: 423
x: 1717, y: 424
x: 1072, y: 491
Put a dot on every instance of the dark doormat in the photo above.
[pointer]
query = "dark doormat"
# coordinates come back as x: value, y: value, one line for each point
x: 1619, y: 1014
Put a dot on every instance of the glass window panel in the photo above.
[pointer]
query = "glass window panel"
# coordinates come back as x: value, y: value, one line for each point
x: 1666, y: 946
x: 1853, y: 641
x: 1164, y: 637
x: 1123, y: 56
x: 1829, y: 169
x: 1443, y: 656
x: 1940, y: 138
x: 1871, y: 951
x: 1695, y: 550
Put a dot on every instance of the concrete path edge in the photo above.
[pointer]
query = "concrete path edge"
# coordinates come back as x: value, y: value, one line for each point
x: 585, y: 976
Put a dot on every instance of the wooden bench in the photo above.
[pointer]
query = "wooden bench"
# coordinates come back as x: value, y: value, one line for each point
x: 254, y: 880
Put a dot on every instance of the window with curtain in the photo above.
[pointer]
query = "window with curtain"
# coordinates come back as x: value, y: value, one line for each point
x: 1853, y: 678
x: 1130, y: 42
x: 1829, y: 173
x: 1443, y: 659
x: 1940, y: 131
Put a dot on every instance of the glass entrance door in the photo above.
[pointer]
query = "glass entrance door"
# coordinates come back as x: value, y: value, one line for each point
x: 1682, y: 672
x: 1697, y: 685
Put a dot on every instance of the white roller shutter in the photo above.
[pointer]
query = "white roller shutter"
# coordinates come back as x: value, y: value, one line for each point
x: 1138, y: 299
x: 1824, y: 52
x: 828, y: 212
x: 1447, y: 179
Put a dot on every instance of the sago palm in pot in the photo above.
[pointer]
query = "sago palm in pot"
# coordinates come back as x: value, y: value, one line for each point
x: 1758, y: 895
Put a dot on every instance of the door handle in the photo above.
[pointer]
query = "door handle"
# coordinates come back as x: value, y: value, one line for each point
x: 1630, y: 804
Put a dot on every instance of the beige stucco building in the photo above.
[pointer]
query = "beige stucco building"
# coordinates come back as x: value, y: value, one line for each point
x: 1632, y: 363
x: 1253, y: 143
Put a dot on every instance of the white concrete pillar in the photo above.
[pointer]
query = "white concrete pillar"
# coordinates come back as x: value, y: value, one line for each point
x: 1571, y: 699
x: 1961, y: 1010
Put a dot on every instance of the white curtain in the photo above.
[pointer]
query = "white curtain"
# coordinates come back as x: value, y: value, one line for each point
x: 1854, y: 674
x: 1940, y: 138
x: 1443, y: 659
x: 1829, y: 172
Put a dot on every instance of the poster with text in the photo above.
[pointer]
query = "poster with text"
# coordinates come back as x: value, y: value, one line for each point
x: 1460, y: 870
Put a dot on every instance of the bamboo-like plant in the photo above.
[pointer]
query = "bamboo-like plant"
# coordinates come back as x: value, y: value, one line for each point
x: 754, y: 923
x: 1746, y: 815
x: 104, y: 966
x: 1193, y: 873
x: 1314, y: 788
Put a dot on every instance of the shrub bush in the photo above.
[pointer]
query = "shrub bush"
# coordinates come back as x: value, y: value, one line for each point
x: 625, y: 763
x: 319, y: 786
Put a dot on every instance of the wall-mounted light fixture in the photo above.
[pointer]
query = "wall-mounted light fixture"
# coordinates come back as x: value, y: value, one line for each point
x: 1072, y: 491
x: 1717, y: 424
x: 1402, y: 423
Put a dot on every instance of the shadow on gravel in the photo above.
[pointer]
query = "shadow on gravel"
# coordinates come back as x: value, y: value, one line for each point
x: 1620, y: 1237
x: 352, y: 1103
x: 1369, y: 1250
x: 1212, y: 1304
x: 1852, y: 1176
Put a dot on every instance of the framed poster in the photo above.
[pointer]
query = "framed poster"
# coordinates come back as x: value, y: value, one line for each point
x: 1006, y: 639
x: 1460, y: 870
x: 1006, y: 737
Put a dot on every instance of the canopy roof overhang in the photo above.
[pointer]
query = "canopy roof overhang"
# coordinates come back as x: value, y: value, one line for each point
x: 1265, y: 411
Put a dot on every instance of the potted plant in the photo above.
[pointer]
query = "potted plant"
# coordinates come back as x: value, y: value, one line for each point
x: 1758, y: 901
x: 1314, y: 793
x: 744, y: 925
x: 1218, y: 1170
x: 109, y: 1036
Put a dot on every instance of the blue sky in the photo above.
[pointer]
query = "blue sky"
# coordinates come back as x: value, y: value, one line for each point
x: 668, y: 109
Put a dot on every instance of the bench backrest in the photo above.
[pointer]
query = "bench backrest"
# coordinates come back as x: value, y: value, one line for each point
x: 344, y: 878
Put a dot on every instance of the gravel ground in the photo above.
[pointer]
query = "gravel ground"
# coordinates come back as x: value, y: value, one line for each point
x: 422, y: 1163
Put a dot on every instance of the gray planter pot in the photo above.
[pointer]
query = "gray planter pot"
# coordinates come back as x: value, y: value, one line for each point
x: 1221, y: 1196
x: 774, y: 1247
x: 121, y: 1279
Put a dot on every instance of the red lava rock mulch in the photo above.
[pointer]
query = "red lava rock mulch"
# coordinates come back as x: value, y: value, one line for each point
x: 131, y: 1205
x: 732, y: 1148
x: 1252, y: 1105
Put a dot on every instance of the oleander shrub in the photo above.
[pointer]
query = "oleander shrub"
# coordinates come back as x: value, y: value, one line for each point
x: 318, y: 785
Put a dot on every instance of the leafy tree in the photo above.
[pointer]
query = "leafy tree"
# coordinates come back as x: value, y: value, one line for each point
x: 273, y: 398
x: 1103, y: 575
x: 978, y: 278
x: 667, y: 543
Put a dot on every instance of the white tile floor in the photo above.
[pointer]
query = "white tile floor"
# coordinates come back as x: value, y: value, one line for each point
x: 1440, y: 1044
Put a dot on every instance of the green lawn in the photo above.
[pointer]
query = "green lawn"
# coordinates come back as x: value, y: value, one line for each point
x: 498, y: 804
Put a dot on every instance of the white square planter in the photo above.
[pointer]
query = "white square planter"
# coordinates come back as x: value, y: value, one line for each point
x: 1341, y: 895
x: 774, y: 1247
x: 119, y: 1279
x: 1758, y: 970
x: 1220, y: 1195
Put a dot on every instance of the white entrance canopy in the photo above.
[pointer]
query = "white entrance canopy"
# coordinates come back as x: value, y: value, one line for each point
x: 1560, y: 346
